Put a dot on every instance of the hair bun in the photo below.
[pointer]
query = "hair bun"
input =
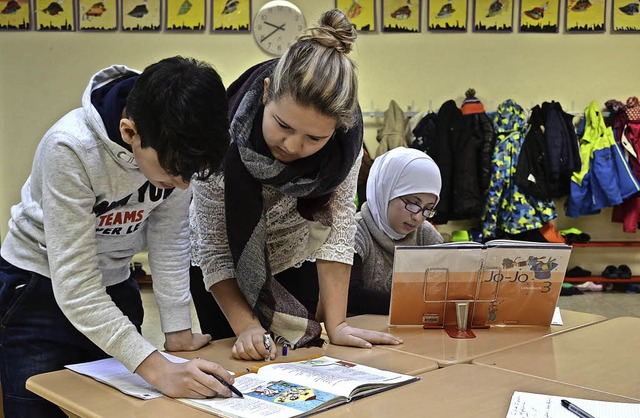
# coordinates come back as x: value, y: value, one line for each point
x: 333, y: 31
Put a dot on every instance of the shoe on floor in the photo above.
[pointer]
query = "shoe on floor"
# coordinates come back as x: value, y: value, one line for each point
x: 610, y: 272
x: 624, y: 272
x: 578, y: 271
x: 589, y: 287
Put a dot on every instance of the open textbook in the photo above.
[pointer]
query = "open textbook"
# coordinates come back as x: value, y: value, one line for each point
x: 300, y: 388
x: 535, y: 405
x: 505, y: 282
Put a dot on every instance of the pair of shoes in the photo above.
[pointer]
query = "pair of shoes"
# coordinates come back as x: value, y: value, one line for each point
x: 621, y: 272
x: 575, y: 236
x: 578, y: 271
x: 624, y: 272
x: 590, y: 287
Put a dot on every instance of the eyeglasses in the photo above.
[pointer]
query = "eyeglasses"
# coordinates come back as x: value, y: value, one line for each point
x: 428, y: 213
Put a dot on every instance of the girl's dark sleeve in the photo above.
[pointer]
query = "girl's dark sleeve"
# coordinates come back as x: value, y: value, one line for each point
x: 362, y: 300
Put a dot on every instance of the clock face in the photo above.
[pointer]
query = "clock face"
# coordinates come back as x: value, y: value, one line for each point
x: 276, y: 26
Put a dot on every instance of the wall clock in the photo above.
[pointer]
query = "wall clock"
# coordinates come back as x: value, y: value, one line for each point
x: 276, y: 26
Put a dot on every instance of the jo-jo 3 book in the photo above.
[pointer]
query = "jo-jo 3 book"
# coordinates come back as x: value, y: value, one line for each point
x: 505, y: 282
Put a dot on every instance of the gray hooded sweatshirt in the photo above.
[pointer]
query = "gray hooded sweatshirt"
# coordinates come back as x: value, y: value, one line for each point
x: 85, y: 210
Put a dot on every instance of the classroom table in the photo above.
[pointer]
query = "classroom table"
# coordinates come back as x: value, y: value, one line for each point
x: 602, y: 356
x: 437, y: 345
x: 81, y: 396
x: 460, y: 391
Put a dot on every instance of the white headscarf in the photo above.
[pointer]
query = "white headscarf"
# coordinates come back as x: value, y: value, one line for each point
x: 399, y: 172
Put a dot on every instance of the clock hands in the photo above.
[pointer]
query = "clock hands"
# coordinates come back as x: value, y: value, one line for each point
x: 277, y: 28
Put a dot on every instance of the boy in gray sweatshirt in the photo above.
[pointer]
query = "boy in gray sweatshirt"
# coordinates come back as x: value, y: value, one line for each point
x: 109, y: 180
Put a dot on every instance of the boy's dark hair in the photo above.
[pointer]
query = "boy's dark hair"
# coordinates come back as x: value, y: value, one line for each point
x: 179, y: 106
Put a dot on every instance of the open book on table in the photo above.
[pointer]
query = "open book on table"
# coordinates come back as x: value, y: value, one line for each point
x: 300, y: 388
x: 505, y: 282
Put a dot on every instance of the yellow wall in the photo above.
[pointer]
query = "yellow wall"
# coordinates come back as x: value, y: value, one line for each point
x: 42, y: 75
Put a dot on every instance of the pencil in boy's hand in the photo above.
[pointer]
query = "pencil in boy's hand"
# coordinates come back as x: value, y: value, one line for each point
x: 231, y: 387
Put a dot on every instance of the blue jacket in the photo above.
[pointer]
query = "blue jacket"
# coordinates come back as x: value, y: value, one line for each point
x: 605, y: 178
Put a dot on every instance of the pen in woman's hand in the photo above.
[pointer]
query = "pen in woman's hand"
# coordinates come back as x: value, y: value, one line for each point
x: 231, y: 387
x: 266, y: 338
x: 576, y: 410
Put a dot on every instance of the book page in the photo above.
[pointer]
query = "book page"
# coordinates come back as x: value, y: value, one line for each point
x: 534, y: 405
x: 266, y: 398
x: 113, y: 373
x: 332, y: 375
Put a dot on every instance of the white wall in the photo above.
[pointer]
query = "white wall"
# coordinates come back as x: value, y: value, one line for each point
x: 42, y: 76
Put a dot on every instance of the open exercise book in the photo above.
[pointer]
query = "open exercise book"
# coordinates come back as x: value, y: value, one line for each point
x: 535, y: 405
x: 505, y: 282
x: 300, y: 388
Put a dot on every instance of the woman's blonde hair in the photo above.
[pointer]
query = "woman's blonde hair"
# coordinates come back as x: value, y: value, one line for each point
x: 317, y: 72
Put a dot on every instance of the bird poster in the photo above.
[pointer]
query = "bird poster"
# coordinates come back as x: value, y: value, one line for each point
x: 141, y: 15
x: 539, y: 16
x: 15, y: 15
x: 493, y: 16
x: 97, y: 15
x: 585, y: 16
x: 54, y: 15
x: 625, y: 16
x: 361, y: 13
x: 401, y: 15
x: 231, y: 16
x: 187, y: 15
x: 447, y: 15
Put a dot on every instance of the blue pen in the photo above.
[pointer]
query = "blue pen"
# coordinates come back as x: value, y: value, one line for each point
x: 575, y: 409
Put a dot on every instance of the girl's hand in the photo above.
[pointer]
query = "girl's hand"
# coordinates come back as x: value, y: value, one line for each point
x: 250, y: 345
x: 343, y: 334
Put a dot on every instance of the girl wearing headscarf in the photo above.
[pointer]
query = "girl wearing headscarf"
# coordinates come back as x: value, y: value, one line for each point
x: 403, y: 190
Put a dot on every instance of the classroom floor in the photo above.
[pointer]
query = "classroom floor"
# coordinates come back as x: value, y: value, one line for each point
x: 608, y: 304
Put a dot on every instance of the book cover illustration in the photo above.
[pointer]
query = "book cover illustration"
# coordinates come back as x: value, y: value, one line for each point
x: 505, y: 283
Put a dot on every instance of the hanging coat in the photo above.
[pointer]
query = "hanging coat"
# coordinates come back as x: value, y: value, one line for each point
x: 507, y: 208
x: 605, y: 178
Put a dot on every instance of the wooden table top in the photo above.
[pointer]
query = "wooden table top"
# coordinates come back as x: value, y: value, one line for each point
x: 81, y: 396
x: 437, y: 345
x: 602, y: 356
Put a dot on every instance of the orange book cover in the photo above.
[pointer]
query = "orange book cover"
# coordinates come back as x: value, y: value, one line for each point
x: 506, y: 283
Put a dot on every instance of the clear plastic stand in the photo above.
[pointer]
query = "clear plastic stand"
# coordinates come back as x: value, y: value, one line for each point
x: 464, y: 318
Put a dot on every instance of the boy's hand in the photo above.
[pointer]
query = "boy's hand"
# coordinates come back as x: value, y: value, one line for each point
x: 192, y: 379
x: 250, y: 345
x: 185, y: 340
x: 343, y: 334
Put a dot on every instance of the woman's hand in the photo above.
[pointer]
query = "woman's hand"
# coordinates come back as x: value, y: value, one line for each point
x: 250, y: 345
x: 343, y: 334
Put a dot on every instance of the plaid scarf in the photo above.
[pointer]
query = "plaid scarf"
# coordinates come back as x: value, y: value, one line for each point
x: 248, y: 166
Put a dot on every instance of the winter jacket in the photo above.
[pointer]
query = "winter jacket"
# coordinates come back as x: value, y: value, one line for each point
x: 507, y: 208
x: 391, y: 135
x: 472, y: 166
x: 605, y: 178
x: 532, y: 172
x: 444, y: 151
x: 563, y: 155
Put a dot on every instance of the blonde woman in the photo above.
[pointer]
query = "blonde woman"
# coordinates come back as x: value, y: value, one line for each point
x: 284, y: 205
